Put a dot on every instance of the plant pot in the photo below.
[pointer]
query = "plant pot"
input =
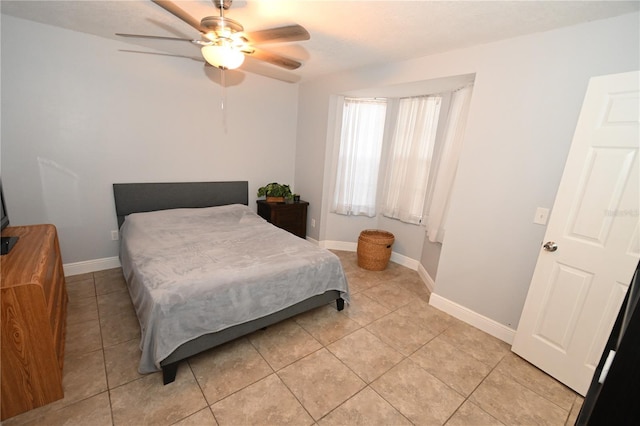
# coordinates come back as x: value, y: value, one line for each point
x: 275, y: 200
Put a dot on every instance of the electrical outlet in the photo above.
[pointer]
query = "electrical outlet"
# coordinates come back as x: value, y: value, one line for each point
x: 115, y: 235
x: 541, y: 216
x: 313, y: 223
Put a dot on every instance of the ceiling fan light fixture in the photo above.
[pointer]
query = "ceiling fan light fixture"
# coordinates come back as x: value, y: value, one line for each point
x: 223, y: 56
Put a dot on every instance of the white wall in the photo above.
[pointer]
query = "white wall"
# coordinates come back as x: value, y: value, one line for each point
x: 526, y: 100
x: 78, y: 116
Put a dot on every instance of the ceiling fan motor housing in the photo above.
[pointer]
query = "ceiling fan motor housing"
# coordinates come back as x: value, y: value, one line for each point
x: 218, y: 24
x: 222, y: 4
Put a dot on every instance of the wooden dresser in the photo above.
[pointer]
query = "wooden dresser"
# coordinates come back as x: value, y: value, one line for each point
x: 291, y: 217
x: 34, y: 312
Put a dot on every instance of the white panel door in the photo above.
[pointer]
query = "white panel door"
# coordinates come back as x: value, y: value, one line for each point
x: 592, y: 240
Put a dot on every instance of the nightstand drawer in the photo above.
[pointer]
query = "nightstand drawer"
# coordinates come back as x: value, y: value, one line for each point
x: 291, y: 217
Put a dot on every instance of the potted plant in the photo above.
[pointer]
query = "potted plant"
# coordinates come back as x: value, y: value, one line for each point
x: 275, y: 192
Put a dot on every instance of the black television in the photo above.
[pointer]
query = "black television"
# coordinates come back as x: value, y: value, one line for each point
x: 7, y: 242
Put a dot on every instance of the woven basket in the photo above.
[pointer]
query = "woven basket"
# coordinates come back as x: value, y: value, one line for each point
x: 374, y: 249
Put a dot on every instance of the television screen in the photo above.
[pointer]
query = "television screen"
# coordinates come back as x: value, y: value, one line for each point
x: 4, y: 217
x: 6, y: 242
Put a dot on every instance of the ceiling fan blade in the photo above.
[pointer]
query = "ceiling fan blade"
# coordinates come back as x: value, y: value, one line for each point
x: 174, y: 9
x: 275, y: 59
x: 279, y: 35
x: 255, y: 66
x: 193, y: 58
x: 157, y: 37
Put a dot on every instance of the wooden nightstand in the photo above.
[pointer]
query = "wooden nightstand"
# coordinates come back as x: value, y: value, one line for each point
x: 291, y: 217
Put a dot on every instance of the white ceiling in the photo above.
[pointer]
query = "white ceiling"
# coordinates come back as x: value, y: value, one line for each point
x: 344, y: 34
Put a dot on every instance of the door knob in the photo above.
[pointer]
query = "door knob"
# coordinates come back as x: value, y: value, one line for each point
x: 550, y: 246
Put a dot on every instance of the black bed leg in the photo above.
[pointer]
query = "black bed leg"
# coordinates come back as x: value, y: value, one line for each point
x: 169, y: 372
x: 340, y: 303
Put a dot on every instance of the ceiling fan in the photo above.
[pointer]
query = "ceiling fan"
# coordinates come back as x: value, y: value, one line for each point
x: 224, y: 43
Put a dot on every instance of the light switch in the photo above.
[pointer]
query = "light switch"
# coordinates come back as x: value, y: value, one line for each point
x: 541, y: 217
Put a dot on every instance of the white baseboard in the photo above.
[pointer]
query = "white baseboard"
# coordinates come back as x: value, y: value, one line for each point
x: 87, y: 266
x: 405, y: 261
x: 481, y: 322
x: 339, y: 245
x: 353, y: 247
x: 473, y: 318
x: 428, y: 281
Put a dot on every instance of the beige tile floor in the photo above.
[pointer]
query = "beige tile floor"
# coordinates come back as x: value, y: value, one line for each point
x: 388, y: 359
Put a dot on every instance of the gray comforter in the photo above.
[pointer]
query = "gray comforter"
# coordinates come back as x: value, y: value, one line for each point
x: 195, y: 271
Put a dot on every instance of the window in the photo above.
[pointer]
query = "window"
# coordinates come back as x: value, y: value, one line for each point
x: 359, y: 158
x: 410, y: 158
x: 422, y: 147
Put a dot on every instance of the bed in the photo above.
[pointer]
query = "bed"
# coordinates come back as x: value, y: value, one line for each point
x: 202, y: 269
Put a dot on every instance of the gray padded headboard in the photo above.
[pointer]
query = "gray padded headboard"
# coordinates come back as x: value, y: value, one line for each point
x: 146, y: 197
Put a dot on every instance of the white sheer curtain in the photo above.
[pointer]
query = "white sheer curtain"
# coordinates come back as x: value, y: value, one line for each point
x: 359, y: 158
x: 410, y: 158
x: 438, y: 205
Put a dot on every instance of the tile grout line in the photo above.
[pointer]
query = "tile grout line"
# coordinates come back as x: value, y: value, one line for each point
x: 466, y: 398
x: 326, y: 346
x: 405, y: 357
x: 104, y: 358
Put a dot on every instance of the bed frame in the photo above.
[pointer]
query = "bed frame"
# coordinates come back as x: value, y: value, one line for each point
x: 145, y: 197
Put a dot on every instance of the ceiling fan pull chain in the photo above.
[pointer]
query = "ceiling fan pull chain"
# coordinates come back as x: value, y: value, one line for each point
x: 223, y: 100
